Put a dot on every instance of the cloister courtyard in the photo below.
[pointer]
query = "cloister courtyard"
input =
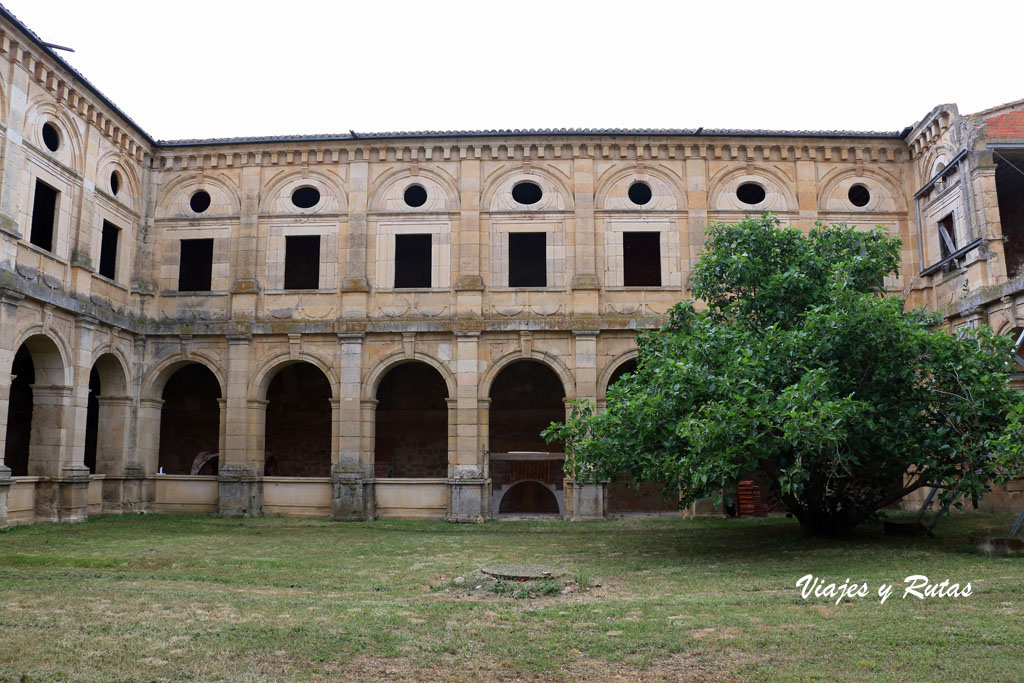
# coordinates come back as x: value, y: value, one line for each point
x: 159, y: 597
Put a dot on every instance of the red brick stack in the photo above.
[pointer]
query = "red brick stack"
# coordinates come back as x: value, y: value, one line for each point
x: 748, y: 496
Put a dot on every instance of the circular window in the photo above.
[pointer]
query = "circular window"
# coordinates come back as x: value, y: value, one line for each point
x: 415, y: 195
x: 115, y: 183
x: 750, y: 193
x: 51, y: 138
x: 859, y: 195
x: 527, y: 192
x: 306, y: 197
x: 639, y: 193
x: 200, y: 201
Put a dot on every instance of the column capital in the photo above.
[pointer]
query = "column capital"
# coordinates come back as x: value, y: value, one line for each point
x: 234, y: 339
x: 351, y: 337
x: 585, y: 333
x: 467, y: 333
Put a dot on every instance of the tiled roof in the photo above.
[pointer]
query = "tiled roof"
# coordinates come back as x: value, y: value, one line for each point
x: 538, y: 132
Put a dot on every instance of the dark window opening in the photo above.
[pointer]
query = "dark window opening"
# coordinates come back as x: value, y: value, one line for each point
x: 200, y: 201
x: 412, y: 260
x: 195, y: 270
x: 51, y: 138
x: 947, y: 238
x: 44, y: 215
x: 302, y: 262
x: 527, y: 193
x: 108, y: 250
x: 115, y: 183
x: 859, y: 195
x: 527, y: 259
x: 640, y: 193
x: 306, y: 197
x: 415, y: 195
x: 1010, y: 195
x: 750, y: 193
x: 641, y: 259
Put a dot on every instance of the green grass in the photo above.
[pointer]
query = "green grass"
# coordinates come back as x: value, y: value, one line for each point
x: 128, y: 598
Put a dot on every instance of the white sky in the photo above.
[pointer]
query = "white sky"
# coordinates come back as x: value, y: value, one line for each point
x: 212, y: 68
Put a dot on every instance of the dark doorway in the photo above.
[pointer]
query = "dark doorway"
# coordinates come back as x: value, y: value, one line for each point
x: 1010, y: 193
x: 528, y: 497
x: 92, y: 421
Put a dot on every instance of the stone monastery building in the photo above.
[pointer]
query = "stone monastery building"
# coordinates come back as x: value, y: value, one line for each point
x: 364, y: 325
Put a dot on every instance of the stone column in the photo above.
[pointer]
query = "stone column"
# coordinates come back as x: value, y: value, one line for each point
x: 62, y: 495
x: 587, y: 500
x: 240, y: 489
x: 469, y: 243
x: 112, y: 448
x: 352, y: 469
x: 585, y: 281
x: 8, y: 312
x: 467, y: 483
x: 140, y: 490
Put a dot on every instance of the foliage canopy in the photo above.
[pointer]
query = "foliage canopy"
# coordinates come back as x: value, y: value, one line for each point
x: 802, y: 369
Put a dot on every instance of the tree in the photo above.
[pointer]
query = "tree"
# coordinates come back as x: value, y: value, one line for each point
x: 800, y: 367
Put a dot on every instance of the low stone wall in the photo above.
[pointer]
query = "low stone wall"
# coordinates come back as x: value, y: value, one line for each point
x: 297, y: 496
x: 185, y: 493
x: 411, y: 498
x: 21, y: 501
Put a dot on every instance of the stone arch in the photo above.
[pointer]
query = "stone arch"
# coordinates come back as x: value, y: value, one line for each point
x: 297, y: 404
x: 372, y: 381
x: 130, y: 193
x: 779, y: 193
x: 937, y: 151
x: 412, y: 426
x: 553, y: 363
x: 388, y: 191
x: 276, y: 195
x: 72, y: 150
x: 552, y: 503
x: 273, y: 364
x: 190, y: 424
x: 174, y: 199
x: 834, y: 188
x: 39, y: 394
x: 613, y: 186
x: 497, y: 191
x: 605, y: 380
x: 108, y: 415
x: 156, y: 379
x: 50, y: 355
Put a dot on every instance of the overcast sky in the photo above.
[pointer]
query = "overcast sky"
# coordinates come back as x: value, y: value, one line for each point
x: 213, y: 68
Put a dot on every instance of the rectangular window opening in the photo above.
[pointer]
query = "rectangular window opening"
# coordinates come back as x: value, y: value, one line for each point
x: 412, y: 260
x: 108, y: 250
x: 641, y: 259
x: 302, y: 262
x: 195, y: 270
x: 44, y: 216
x: 527, y: 259
x: 947, y: 238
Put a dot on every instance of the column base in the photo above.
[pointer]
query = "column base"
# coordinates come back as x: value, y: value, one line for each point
x: 468, y: 500
x: 352, y: 496
x: 5, y: 488
x: 584, y: 502
x: 239, y: 492
x: 65, y: 498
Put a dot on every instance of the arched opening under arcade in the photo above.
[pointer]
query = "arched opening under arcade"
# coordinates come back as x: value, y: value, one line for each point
x: 107, y: 416
x: 526, y: 396
x: 623, y: 495
x: 36, y: 411
x: 190, y: 422
x: 298, y: 424
x: 411, y: 424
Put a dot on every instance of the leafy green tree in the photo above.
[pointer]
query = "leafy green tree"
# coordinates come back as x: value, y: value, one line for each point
x: 799, y: 366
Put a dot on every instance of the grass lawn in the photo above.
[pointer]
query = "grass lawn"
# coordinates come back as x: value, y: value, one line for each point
x: 161, y: 597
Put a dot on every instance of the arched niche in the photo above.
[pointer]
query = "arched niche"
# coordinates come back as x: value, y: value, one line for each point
x: 37, y: 408
x: 190, y: 420
x: 389, y: 192
x: 411, y: 422
x: 298, y: 429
